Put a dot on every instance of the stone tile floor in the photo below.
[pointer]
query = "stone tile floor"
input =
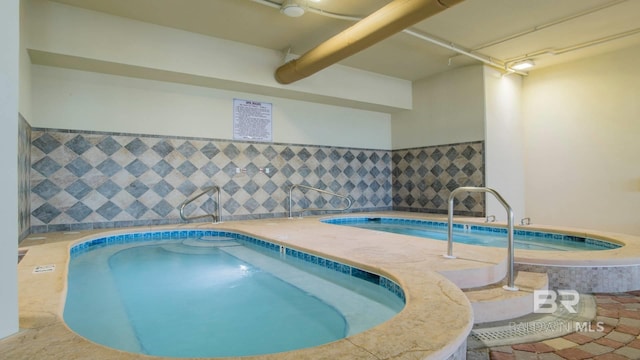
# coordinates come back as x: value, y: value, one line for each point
x: 615, y: 335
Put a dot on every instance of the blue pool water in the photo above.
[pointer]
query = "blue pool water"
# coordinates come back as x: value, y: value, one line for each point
x: 215, y: 295
x: 476, y: 234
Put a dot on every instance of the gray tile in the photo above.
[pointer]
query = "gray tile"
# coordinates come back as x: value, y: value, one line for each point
x: 79, y: 211
x: 270, y: 204
x: 231, y: 151
x: 348, y: 156
x: 187, y: 168
x: 162, y: 168
x: 451, y: 154
x: 304, y: 154
x: 109, y: 210
x: 287, y: 170
x: 348, y: 171
x: 136, y: 146
x: 137, y: 189
x: 187, y: 149
x: 269, y: 153
x: 78, y: 144
x: 109, y: 146
x: 187, y: 188
x: 46, y: 166
x: 162, y: 208
x: 251, y: 205
x: 46, y: 189
x: 46, y: 143
x: 78, y: 167
x: 108, y: 189
x: 287, y: 154
x: 163, y: 148
x: 136, y: 209
x: 231, y: 187
x: 79, y: 189
x: 109, y: 167
x: 335, y: 156
x: 210, y: 150
x: 136, y: 168
x: 210, y: 169
x: 46, y: 213
x: 251, y: 187
x: 231, y: 206
x: 162, y: 188
x: 230, y: 169
x: 269, y: 187
x: 251, y: 152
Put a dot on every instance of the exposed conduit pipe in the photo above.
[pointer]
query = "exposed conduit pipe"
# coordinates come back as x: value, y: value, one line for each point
x: 453, y: 47
x: 549, y: 24
x: 448, y: 45
x: 503, y: 65
x: 390, y: 19
x: 553, y: 51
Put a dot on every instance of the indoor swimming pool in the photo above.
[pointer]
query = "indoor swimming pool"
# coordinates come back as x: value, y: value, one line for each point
x: 481, y: 235
x: 217, y: 294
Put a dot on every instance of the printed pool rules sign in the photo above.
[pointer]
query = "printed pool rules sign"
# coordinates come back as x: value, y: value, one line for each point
x: 252, y: 120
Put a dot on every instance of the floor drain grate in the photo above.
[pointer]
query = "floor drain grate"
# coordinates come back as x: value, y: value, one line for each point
x: 44, y: 269
x: 534, y: 327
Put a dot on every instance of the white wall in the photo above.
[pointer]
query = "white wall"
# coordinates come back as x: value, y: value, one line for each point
x: 447, y: 108
x: 9, y: 69
x: 504, y: 148
x: 70, y: 36
x: 582, y: 147
x: 25, y: 66
x: 72, y: 99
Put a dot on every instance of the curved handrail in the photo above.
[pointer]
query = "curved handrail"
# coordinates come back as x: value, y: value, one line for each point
x: 511, y: 286
x: 214, y: 217
x: 349, y: 203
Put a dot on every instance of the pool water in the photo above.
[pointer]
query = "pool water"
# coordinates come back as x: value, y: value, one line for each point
x: 477, y: 235
x: 215, y: 297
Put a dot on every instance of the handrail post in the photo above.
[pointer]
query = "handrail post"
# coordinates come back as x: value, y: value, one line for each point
x: 215, y: 218
x: 349, y: 202
x: 510, y: 248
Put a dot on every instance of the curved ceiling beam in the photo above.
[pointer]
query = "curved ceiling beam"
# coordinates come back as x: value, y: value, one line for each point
x: 390, y: 19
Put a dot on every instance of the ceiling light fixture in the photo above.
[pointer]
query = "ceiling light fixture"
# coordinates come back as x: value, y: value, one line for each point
x: 291, y: 8
x: 523, y: 65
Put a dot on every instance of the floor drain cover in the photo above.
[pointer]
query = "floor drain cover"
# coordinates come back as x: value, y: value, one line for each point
x: 44, y: 269
x: 534, y: 327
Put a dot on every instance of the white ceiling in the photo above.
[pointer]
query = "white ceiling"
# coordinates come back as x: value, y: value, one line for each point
x: 547, y: 31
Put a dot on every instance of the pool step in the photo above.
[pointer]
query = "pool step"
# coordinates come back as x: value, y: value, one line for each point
x: 211, y: 241
x: 493, y: 303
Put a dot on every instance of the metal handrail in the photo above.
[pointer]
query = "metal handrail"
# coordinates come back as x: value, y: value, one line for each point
x: 511, y: 286
x: 214, y: 217
x: 349, y: 203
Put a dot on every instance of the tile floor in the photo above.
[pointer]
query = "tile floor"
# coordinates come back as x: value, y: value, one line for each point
x: 619, y: 339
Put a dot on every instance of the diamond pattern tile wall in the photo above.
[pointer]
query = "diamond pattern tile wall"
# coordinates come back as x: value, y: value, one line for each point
x: 84, y: 180
x: 24, y: 165
x: 423, y: 178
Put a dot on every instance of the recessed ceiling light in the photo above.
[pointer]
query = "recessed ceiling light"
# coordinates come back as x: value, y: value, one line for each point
x: 523, y: 65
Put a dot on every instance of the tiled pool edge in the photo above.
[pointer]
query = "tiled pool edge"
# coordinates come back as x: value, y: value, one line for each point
x: 480, y: 228
x: 143, y: 236
x: 587, y: 278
